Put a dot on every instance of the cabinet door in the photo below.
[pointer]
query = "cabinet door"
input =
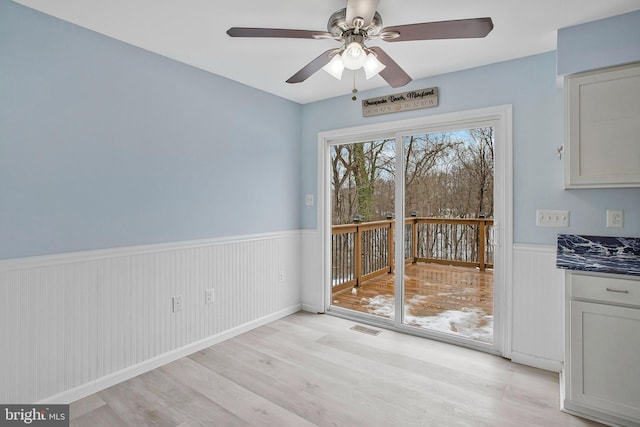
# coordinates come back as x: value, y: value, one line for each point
x: 602, y: 128
x: 605, y: 358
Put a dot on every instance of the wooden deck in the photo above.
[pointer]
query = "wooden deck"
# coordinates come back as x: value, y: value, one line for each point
x: 431, y: 290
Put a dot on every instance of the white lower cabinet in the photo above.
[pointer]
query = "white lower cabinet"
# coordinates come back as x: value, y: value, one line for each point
x: 602, y: 348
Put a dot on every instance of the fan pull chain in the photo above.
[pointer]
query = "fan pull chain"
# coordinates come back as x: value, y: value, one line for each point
x: 354, y: 91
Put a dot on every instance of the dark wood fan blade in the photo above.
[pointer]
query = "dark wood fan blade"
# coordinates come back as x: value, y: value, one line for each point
x: 313, y: 66
x: 364, y: 9
x: 392, y: 73
x: 458, y: 29
x: 276, y: 32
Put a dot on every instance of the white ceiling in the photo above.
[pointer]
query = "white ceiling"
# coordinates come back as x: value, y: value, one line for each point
x: 193, y: 32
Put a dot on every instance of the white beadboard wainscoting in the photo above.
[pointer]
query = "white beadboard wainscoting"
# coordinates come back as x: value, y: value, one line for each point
x: 313, y: 288
x: 538, y: 307
x: 73, y: 324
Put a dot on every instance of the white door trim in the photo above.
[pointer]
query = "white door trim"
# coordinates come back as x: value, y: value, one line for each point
x: 503, y: 195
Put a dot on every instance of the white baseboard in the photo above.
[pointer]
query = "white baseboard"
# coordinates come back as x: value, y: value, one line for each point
x: 536, y: 362
x: 312, y: 308
x: 107, y: 381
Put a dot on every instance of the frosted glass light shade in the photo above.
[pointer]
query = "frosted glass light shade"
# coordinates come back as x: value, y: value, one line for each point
x: 335, y: 67
x: 354, y: 56
x: 372, y: 66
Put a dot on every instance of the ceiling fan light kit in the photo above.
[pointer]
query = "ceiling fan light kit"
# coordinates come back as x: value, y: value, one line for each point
x: 372, y: 66
x: 368, y: 61
x: 353, y: 56
x: 335, y: 67
x: 358, y: 23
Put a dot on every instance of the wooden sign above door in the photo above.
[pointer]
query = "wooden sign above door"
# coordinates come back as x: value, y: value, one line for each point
x: 405, y: 101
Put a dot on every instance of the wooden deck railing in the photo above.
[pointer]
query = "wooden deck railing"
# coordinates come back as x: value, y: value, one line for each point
x: 361, y: 251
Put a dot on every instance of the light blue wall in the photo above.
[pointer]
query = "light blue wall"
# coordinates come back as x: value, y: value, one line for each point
x: 529, y: 84
x: 598, y: 44
x: 106, y: 145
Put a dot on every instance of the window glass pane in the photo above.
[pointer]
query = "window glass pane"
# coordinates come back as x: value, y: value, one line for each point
x: 448, y: 280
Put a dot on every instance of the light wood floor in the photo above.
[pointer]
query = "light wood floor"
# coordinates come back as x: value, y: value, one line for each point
x: 309, y: 369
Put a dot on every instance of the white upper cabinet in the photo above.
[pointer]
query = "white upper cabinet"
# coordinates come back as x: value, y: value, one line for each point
x: 602, y: 125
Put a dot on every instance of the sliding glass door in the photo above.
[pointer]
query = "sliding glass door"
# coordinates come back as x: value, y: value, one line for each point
x: 412, y: 236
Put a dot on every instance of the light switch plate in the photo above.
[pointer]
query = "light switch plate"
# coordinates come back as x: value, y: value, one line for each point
x: 552, y: 218
x: 615, y: 218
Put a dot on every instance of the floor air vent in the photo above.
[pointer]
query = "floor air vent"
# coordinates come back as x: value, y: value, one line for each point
x: 365, y: 330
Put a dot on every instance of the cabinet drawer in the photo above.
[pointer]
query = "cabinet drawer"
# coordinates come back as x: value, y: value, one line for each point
x: 605, y: 289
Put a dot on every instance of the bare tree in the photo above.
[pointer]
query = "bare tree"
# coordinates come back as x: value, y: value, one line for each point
x: 425, y: 158
x: 446, y: 174
x: 340, y: 175
x: 475, y: 168
x: 357, y: 170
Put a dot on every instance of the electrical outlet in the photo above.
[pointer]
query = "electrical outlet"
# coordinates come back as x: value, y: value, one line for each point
x: 209, y: 296
x: 281, y: 276
x: 176, y: 303
x: 552, y: 218
x: 309, y: 200
x: 615, y: 218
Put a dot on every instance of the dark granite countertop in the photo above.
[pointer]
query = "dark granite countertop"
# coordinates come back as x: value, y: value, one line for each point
x: 616, y: 255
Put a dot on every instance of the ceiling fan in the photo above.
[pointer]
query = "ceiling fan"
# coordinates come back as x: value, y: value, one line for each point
x: 355, y: 25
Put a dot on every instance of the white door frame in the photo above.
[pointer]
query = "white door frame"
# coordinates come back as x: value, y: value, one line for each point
x: 501, y: 119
